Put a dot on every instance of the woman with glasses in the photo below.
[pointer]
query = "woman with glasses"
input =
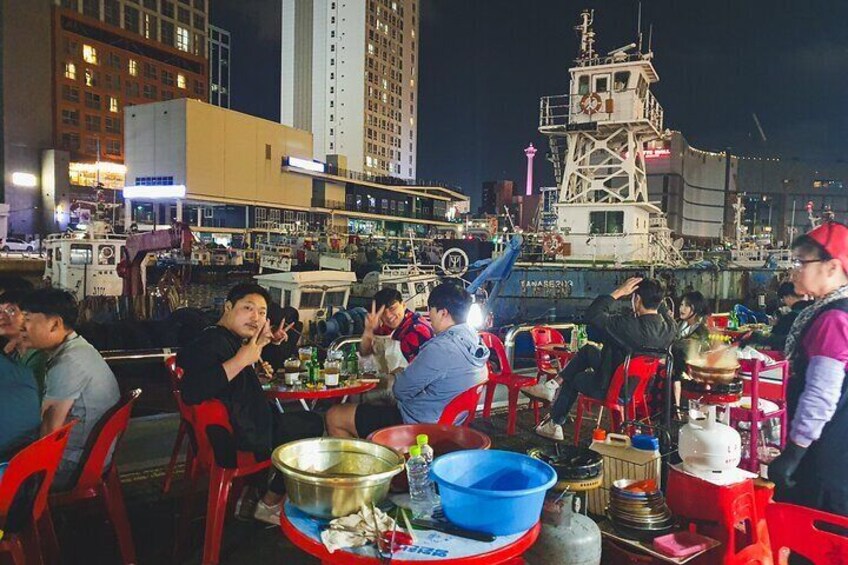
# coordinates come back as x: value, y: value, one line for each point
x: 811, y: 469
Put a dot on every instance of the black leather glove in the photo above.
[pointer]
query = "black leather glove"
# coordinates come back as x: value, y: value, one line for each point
x: 781, y: 469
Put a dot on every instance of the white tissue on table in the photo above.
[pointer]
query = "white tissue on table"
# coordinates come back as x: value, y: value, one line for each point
x: 356, y: 530
x: 749, y: 352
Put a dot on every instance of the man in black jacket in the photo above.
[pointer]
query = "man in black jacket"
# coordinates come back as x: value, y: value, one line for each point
x: 794, y: 302
x: 648, y: 328
x: 219, y: 364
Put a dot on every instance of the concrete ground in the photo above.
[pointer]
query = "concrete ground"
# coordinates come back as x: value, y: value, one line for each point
x: 86, y: 537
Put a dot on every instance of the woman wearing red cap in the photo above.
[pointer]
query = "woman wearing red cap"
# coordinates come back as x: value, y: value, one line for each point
x: 811, y: 469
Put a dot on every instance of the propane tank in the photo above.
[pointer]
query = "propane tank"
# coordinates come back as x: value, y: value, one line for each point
x: 567, y: 537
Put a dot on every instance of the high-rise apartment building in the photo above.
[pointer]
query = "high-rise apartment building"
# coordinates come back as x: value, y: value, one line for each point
x: 65, y: 97
x: 350, y: 76
x: 115, y: 53
x: 219, y: 67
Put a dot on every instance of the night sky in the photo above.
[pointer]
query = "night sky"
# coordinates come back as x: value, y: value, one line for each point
x: 485, y: 63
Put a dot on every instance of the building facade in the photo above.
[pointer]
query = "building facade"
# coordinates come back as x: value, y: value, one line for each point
x: 243, y: 177
x: 350, y: 76
x: 695, y: 188
x: 102, y: 56
x: 220, y: 44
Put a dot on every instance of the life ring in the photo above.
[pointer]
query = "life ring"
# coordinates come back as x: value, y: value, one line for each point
x: 591, y: 103
x: 106, y: 252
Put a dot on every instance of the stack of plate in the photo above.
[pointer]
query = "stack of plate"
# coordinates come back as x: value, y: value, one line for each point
x: 638, y: 510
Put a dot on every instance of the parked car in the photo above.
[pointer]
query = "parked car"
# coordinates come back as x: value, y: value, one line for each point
x: 15, y: 244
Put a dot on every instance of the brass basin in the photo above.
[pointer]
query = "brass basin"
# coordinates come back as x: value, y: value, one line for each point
x: 333, y: 477
x: 707, y: 374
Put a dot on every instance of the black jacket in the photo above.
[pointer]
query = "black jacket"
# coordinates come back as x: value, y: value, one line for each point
x: 204, y: 379
x: 776, y: 340
x: 623, y: 334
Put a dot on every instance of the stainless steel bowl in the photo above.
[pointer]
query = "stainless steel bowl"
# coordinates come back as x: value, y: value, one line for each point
x: 332, y: 477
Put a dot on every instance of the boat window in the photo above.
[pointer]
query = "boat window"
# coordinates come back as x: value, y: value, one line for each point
x: 80, y: 254
x: 58, y: 254
x: 310, y: 299
x: 583, y: 85
x: 106, y: 255
x: 602, y: 83
x: 49, y: 258
x: 276, y: 294
x: 641, y: 90
x: 621, y: 80
x: 286, y: 298
x: 606, y: 222
x: 393, y: 286
x: 420, y: 287
x: 334, y: 298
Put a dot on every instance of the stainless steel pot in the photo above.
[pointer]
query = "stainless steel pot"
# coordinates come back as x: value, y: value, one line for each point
x: 333, y: 477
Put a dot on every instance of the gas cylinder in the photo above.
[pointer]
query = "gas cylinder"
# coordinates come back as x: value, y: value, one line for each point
x: 567, y: 537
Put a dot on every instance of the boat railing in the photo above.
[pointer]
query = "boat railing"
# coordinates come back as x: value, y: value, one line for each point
x: 341, y: 342
x: 760, y: 255
x: 653, y: 112
x: 560, y: 111
x: 692, y: 255
x: 515, y: 331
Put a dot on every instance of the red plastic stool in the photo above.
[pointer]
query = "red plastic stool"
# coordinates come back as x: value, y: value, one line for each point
x: 726, y: 513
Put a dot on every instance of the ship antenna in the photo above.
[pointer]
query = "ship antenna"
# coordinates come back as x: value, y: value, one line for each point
x: 639, y: 26
x: 650, y: 37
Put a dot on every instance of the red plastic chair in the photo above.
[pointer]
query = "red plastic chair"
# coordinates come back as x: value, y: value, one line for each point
x: 461, y: 410
x: 36, y: 462
x: 547, y: 366
x: 642, y: 368
x: 217, y: 455
x: 504, y: 376
x: 99, y: 478
x: 176, y: 375
x: 799, y: 529
x: 756, y: 389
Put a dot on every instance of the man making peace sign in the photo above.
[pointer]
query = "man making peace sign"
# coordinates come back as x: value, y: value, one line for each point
x: 220, y: 364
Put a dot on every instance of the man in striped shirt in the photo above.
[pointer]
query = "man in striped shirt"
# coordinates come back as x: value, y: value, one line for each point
x: 389, y: 316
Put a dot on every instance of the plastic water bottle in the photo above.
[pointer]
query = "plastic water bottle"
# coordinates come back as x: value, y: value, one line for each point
x: 423, y: 441
x: 422, y: 494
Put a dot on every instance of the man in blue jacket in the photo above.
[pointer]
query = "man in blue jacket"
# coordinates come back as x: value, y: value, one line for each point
x: 446, y: 366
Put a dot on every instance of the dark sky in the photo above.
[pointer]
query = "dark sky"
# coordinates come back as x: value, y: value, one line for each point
x: 485, y: 63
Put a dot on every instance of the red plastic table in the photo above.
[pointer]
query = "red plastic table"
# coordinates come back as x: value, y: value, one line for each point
x: 283, y: 393
x: 304, y: 532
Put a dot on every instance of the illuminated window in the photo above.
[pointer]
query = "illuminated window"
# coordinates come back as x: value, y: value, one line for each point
x: 70, y: 71
x: 182, y: 38
x: 370, y: 48
x: 90, y: 80
x: 133, y: 67
x: 89, y: 53
x: 181, y: 80
x: 113, y: 104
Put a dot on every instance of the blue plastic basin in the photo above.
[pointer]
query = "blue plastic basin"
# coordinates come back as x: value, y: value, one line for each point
x: 498, y: 492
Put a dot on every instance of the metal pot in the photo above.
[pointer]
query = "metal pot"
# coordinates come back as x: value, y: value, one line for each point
x: 708, y: 374
x: 333, y: 477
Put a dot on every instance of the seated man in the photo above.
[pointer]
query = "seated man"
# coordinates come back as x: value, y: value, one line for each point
x: 11, y: 328
x: 649, y: 327
x: 219, y: 364
x: 446, y: 366
x: 793, y: 303
x: 20, y: 408
x: 79, y: 385
x: 390, y: 317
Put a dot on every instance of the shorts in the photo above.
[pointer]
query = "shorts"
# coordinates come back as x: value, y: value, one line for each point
x: 372, y: 417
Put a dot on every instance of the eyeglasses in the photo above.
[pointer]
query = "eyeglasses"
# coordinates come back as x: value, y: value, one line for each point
x: 798, y: 263
x: 9, y: 311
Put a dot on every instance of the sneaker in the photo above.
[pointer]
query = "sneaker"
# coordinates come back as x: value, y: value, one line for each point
x: 268, y: 514
x: 550, y: 429
x: 542, y: 391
